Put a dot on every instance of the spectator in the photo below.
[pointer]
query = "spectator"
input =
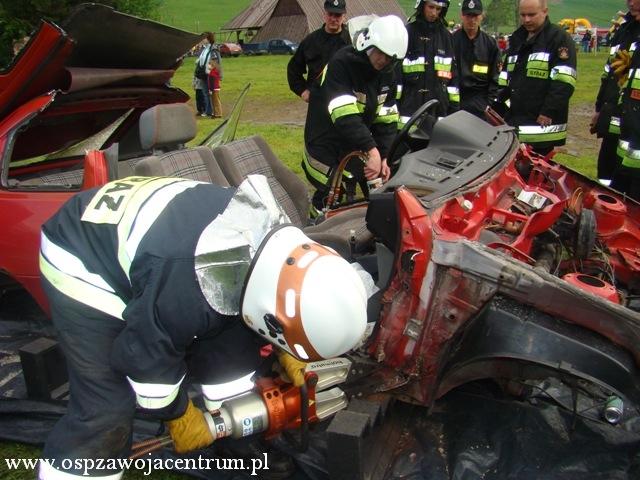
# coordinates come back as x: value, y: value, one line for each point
x: 214, y: 88
x: 478, y: 61
x: 586, y: 42
x: 538, y: 79
x: 317, y: 48
x: 428, y: 70
x: 201, y: 74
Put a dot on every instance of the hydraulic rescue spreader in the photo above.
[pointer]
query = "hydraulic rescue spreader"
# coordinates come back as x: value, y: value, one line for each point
x: 274, y: 406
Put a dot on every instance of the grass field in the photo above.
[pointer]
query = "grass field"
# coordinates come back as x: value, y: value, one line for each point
x: 201, y: 15
x: 272, y: 111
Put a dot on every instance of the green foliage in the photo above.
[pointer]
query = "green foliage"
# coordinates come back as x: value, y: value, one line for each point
x: 498, y: 14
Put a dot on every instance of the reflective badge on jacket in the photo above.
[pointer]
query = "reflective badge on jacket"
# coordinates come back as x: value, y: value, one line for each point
x: 480, y: 69
x: 109, y: 204
x: 538, y: 65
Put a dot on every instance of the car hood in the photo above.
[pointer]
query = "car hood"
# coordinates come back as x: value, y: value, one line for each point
x: 96, y: 47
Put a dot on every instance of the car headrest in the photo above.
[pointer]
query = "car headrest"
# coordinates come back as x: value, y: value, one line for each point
x: 167, y: 126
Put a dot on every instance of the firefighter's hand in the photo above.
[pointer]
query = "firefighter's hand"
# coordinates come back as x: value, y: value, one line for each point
x: 190, y: 431
x: 385, y: 173
x: 374, y: 164
x: 620, y: 66
x: 543, y: 120
x: 293, y: 367
x: 305, y: 95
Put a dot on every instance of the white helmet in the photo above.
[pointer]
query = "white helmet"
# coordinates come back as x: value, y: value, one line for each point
x: 303, y: 297
x: 441, y: 3
x: 388, y: 34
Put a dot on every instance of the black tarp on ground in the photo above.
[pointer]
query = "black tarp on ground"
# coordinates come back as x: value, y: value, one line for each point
x: 472, y: 433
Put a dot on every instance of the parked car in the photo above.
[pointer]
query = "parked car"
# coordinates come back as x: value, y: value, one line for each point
x: 275, y: 46
x: 230, y: 49
x: 491, y: 262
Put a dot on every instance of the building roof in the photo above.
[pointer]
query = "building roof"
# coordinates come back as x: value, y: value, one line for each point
x: 295, y: 19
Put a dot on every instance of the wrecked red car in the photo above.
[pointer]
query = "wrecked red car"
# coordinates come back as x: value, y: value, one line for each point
x: 490, y: 262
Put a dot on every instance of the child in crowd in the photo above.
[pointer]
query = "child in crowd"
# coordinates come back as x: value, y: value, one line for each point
x: 214, y: 88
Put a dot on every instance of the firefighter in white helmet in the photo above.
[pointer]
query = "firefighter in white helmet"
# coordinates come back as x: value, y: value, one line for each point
x: 355, y: 108
x: 147, y: 288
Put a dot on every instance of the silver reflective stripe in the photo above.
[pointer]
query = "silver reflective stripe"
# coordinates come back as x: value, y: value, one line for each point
x: 541, y: 56
x: 69, y: 263
x: 418, y: 61
x: 48, y: 472
x: 150, y: 212
x: 453, y: 90
x: 155, y: 395
x: 67, y: 274
x: 388, y: 110
x: 563, y: 69
x: 235, y: 387
x: 341, y: 101
x: 140, y: 198
x: 536, y: 129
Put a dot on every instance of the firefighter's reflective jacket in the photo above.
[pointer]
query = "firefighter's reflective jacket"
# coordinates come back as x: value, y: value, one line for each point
x: 609, y: 93
x: 355, y: 110
x: 538, y: 78
x: 127, y: 249
x: 428, y: 70
x: 478, y: 62
x: 629, y: 144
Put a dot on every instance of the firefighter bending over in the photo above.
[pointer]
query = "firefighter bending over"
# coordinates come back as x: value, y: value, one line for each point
x: 146, y: 286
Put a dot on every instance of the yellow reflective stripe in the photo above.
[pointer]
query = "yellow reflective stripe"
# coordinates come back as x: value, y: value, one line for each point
x: 387, y: 115
x: 631, y: 159
x: 442, y: 63
x: 343, y: 105
x: 565, y: 74
x: 155, y: 395
x: 621, y: 149
x: 82, y: 291
x: 614, y: 125
x: 482, y: 69
x: 454, y: 94
x: 398, y: 92
x: 414, y: 66
x: 316, y: 174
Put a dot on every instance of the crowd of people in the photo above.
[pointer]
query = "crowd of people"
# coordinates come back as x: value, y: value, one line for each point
x: 528, y: 78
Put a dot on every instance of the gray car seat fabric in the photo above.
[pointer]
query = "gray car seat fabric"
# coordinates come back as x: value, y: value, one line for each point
x: 165, y: 129
x: 167, y: 126
x: 253, y: 156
